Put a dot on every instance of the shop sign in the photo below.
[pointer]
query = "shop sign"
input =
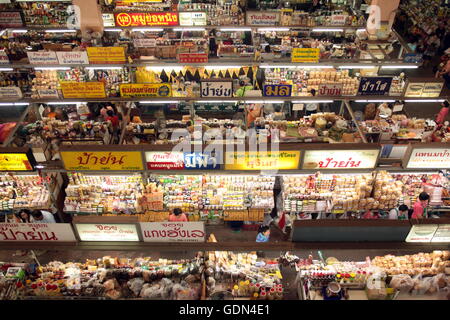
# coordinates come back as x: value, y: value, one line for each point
x: 338, y: 19
x: 106, y: 55
x: 305, y: 54
x: 442, y: 233
x: 72, y: 57
x: 106, y: 232
x: 201, y: 161
x: 15, y: 162
x: 10, y: 19
x: 264, y: 160
x: 144, y: 43
x: 192, y: 18
x: 277, y: 90
x: 215, y: 89
x: 72, y: 89
x: 164, y: 160
x: 374, y: 86
x: 429, y: 158
x: 13, y: 93
x: 262, y: 18
x: 413, y: 58
x: 173, y: 231
x: 102, y: 160
x: 3, y: 57
x: 424, y: 89
x: 108, y: 20
x: 42, y: 57
x: 36, y: 232
x: 128, y: 90
x: 143, y: 19
x: 48, y: 94
x: 330, y: 89
x: 193, y: 57
x: 340, y: 159
x: 421, y: 233
x: 414, y: 89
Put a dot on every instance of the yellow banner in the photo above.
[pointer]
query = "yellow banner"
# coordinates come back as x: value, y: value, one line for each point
x: 14, y: 162
x: 105, y: 55
x: 305, y: 54
x: 83, y: 89
x: 128, y: 90
x: 102, y: 160
x: 270, y: 160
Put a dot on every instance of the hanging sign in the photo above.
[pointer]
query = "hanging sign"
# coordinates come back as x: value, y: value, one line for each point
x: 37, y: 232
x: 330, y: 90
x: 12, y: 93
x: 106, y: 232
x: 108, y: 20
x: 128, y: 90
x: 72, y: 57
x: 442, y: 233
x: 305, y: 54
x: 10, y: 19
x: 374, y: 86
x: 4, y: 57
x: 192, y: 57
x: 215, y: 89
x: 48, y: 93
x: 262, y: 18
x: 192, y: 18
x: 102, y: 160
x: 16, y: 162
x: 71, y: 89
x: 264, y: 160
x: 277, y: 90
x: 429, y: 158
x: 173, y: 231
x: 144, y: 43
x: 42, y: 57
x: 143, y: 19
x: 106, y: 55
x: 340, y: 159
x: 421, y: 233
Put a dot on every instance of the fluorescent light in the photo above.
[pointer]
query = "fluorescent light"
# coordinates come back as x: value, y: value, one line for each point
x: 429, y: 100
x: 313, y: 101
x: 61, y: 31
x: 210, y: 67
x: 188, y: 29
x: 266, y: 66
x: 14, y: 104
x: 147, y: 29
x: 6, y: 69
x: 63, y: 103
x: 112, y: 30
x: 263, y: 101
x: 39, y: 167
x: 214, y: 101
x: 327, y: 30
x: 104, y: 68
x: 272, y: 29
x: 314, y: 67
x: 235, y: 29
x: 156, y: 101
x: 51, y: 68
x: 374, y: 100
x: 295, y: 66
x: 399, y: 67
x: 19, y: 31
x: 357, y: 67
x: 360, y: 30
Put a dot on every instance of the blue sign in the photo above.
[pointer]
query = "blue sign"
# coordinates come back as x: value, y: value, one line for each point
x: 413, y: 58
x: 201, y: 161
x: 277, y: 90
x: 374, y: 86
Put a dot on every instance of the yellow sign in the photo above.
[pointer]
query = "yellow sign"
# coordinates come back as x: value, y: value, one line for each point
x: 265, y: 160
x: 102, y: 160
x: 106, y: 55
x: 14, y: 162
x: 128, y: 90
x: 305, y: 54
x: 83, y: 89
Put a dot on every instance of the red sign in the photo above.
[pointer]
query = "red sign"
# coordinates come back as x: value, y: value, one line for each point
x: 10, y: 19
x: 164, y: 160
x: 193, y: 57
x: 143, y: 19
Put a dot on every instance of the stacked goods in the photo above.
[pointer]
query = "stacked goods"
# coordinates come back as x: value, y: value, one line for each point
x: 387, y: 191
x: 152, y: 198
x: 23, y: 191
x: 235, y: 215
x: 181, y: 191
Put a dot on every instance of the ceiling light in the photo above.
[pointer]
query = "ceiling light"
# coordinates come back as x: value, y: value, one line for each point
x: 327, y: 30
x: 399, y: 67
x: 188, y: 29
x: 14, y: 104
x: 19, y: 31
x: 274, y: 29
x: 374, y: 100
x: 235, y: 29
x: 6, y: 69
x: 157, y: 102
x: 429, y: 100
x: 51, y: 68
x: 104, y: 68
x: 313, y: 101
x: 61, y: 31
x: 147, y: 29
x: 63, y: 103
x: 211, y: 67
x: 112, y: 30
x: 357, y: 67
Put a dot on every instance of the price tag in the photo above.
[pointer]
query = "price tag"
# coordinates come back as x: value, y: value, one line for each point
x: 298, y: 106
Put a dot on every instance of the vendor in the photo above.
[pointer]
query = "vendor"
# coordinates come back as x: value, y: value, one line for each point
x: 23, y: 216
x: 400, y: 213
x: 263, y: 234
x: 440, y: 117
x: 384, y: 111
x: 39, y: 216
x: 177, y: 216
x: 420, y: 206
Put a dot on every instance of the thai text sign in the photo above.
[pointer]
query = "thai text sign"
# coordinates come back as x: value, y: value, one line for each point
x: 142, y: 19
x: 36, y: 232
x: 210, y: 89
x: 173, y: 231
x: 72, y: 57
x: 42, y: 57
x: 10, y: 93
x: 15, y: 162
x: 429, y: 158
x: 145, y: 90
x: 330, y: 89
x: 192, y: 57
x: 10, y: 19
x: 192, y: 18
x: 106, y: 55
x: 305, y: 54
x: 374, y: 86
x: 264, y: 160
x: 262, y: 18
x: 102, y: 160
x: 106, y: 232
x: 340, y: 159
x: 277, y: 90
x: 71, y: 89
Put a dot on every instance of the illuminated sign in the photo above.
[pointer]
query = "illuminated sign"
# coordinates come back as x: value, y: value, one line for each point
x: 143, y: 19
x: 72, y: 89
x: 128, y: 90
x: 173, y: 231
x: 106, y: 232
x: 429, y: 158
x: 340, y: 159
x: 15, y: 162
x: 106, y: 55
x: 264, y: 160
x: 305, y: 54
x: 102, y: 160
x: 36, y: 232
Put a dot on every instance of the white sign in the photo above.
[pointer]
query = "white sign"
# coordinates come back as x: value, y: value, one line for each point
x: 49, y: 93
x: 10, y: 93
x: 210, y: 89
x: 442, y: 233
x: 397, y: 108
x: 164, y: 160
x: 107, y: 232
x: 72, y: 57
x: 338, y: 19
x: 173, y: 231
x: 108, y: 20
x: 3, y: 57
x: 262, y: 18
x: 340, y: 159
x: 298, y: 106
x: 42, y: 57
x: 192, y: 18
x: 143, y: 43
x: 429, y: 158
x: 36, y: 232
x: 421, y: 233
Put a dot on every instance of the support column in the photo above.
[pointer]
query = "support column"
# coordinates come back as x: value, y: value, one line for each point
x: 91, y: 15
x: 386, y: 14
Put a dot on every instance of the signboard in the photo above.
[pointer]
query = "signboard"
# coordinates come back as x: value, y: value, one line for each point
x: 108, y: 20
x: 262, y: 18
x: 143, y: 19
x: 215, y: 89
x: 42, y: 57
x: 106, y: 232
x: 374, y: 86
x: 72, y: 57
x: 424, y: 89
x: 106, y: 55
x: 442, y: 233
x: 16, y: 162
x: 340, y: 159
x: 429, y: 158
x: 144, y: 43
x: 10, y: 19
x: 413, y: 58
x: 3, y: 57
x: 338, y: 19
x: 201, y: 161
x: 330, y: 89
x: 264, y: 160
x: 414, y: 89
x: 48, y: 93
x: 128, y: 90
x: 173, y: 231
x: 36, y: 232
x: 277, y: 90
x: 193, y: 57
x: 421, y: 233
x: 13, y: 93
x: 192, y: 18
x: 102, y: 160
x: 305, y: 54
x: 71, y: 89
x: 177, y: 160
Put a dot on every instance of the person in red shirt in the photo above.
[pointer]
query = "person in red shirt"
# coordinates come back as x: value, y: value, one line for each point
x: 113, y: 118
x: 420, y: 205
x: 440, y: 117
x: 177, y: 216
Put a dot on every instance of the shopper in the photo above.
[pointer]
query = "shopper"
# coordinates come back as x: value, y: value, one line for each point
x: 440, y: 117
x: 177, y: 216
x: 263, y: 234
x: 420, y: 206
x: 400, y: 213
x: 23, y: 216
x: 113, y: 118
x: 38, y: 216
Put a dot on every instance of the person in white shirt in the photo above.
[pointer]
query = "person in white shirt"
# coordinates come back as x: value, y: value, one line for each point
x: 38, y: 216
x: 400, y: 213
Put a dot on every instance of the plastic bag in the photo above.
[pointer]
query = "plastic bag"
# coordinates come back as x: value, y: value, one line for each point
x: 402, y: 282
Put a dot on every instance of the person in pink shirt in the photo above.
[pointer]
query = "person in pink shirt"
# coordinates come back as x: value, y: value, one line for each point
x: 177, y: 216
x: 440, y: 117
x: 420, y: 205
